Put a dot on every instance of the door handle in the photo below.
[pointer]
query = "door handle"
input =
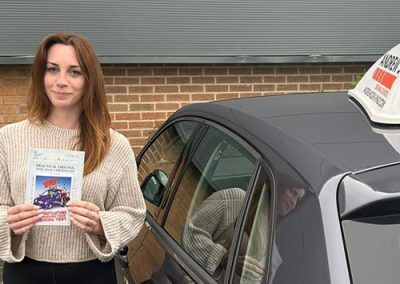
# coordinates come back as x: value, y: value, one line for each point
x: 147, y: 224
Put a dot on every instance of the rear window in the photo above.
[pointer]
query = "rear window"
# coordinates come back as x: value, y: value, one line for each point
x: 372, y: 232
x: 373, y: 249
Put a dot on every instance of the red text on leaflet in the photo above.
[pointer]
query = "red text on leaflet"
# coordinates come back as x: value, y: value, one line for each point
x: 51, y: 216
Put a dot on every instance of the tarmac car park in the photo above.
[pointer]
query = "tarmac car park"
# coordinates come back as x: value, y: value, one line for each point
x: 284, y: 189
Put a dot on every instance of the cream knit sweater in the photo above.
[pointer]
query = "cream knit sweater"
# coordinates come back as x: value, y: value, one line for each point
x: 112, y: 186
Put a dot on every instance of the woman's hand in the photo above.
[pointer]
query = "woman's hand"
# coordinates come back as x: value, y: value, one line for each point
x: 21, y: 218
x: 250, y: 268
x: 85, y: 215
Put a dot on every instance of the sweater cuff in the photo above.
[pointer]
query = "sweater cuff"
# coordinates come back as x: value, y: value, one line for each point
x: 215, y: 258
x: 100, y: 247
x: 104, y: 250
x: 12, y: 248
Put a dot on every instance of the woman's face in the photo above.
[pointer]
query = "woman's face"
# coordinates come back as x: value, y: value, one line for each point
x: 63, y: 80
x: 289, y: 199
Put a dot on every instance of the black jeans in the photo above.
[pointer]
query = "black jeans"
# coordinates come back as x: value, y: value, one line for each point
x: 30, y: 271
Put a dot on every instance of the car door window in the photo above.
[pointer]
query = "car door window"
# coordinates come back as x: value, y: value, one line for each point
x: 209, y: 198
x: 251, y: 262
x: 160, y: 159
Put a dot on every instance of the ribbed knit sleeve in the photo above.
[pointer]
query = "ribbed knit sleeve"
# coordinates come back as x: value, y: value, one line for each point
x: 206, y: 234
x: 12, y: 249
x: 125, y: 208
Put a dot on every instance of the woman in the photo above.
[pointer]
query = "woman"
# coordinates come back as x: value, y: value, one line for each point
x: 67, y: 109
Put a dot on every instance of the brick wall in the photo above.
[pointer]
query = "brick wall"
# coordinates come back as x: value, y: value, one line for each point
x: 141, y: 97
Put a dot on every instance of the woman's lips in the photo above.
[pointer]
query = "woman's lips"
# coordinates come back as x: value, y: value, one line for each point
x: 61, y: 94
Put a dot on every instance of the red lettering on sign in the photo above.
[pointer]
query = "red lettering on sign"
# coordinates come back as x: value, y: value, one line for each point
x: 383, y: 77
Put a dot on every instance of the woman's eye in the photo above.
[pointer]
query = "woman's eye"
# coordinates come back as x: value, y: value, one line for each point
x: 52, y: 69
x: 75, y: 73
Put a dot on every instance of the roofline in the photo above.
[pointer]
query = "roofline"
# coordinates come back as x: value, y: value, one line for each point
x: 256, y: 141
x: 225, y: 59
x: 375, y: 168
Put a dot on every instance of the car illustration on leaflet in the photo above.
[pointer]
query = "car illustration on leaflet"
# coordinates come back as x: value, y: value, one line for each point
x: 52, y: 197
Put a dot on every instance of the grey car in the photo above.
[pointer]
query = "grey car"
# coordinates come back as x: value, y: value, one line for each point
x: 283, y: 189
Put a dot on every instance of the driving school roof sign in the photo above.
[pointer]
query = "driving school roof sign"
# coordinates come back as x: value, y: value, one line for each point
x: 378, y: 90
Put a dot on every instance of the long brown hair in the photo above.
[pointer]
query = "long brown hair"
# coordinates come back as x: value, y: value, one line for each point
x: 95, y: 120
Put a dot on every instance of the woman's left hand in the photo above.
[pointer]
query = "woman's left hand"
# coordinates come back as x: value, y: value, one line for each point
x: 85, y: 215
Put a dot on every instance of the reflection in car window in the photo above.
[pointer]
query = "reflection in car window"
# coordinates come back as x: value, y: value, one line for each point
x: 207, y: 203
x: 209, y: 232
x: 165, y: 151
x: 252, y: 257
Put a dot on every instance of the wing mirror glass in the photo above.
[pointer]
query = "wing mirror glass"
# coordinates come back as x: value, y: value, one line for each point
x: 154, y: 185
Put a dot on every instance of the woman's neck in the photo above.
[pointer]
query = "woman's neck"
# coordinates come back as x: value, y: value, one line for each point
x: 64, y: 119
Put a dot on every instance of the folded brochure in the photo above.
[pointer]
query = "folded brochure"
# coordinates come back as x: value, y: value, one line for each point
x: 54, y: 177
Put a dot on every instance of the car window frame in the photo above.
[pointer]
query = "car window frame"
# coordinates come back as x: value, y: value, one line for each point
x: 239, y: 230
x: 196, y: 139
x: 158, y: 132
x: 194, y: 268
x: 179, y: 255
x: 157, y: 225
x: 187, y: 263
x: 184, y: 155
x: 187, y: 155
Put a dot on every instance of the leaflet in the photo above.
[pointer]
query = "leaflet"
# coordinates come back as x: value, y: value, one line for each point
x: 54, y: 177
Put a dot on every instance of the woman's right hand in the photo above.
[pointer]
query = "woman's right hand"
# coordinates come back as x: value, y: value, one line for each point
x: 21, y: 218
x: 250, y: 268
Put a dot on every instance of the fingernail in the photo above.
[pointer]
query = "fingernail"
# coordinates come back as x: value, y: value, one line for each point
x: 37, y: 207
x: 40, y: 215
x: 68, y: 203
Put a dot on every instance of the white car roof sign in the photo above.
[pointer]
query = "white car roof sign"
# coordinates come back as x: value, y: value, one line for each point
x: 378, y: 90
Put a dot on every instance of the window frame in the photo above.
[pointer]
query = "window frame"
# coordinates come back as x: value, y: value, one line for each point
x: 239, y: 230
x: 168, y: 190
x: 197, y: 138
x: 158, y: 132
x: 179, y: 255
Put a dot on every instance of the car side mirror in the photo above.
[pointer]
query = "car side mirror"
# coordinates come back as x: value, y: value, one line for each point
x: 154, y: 185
